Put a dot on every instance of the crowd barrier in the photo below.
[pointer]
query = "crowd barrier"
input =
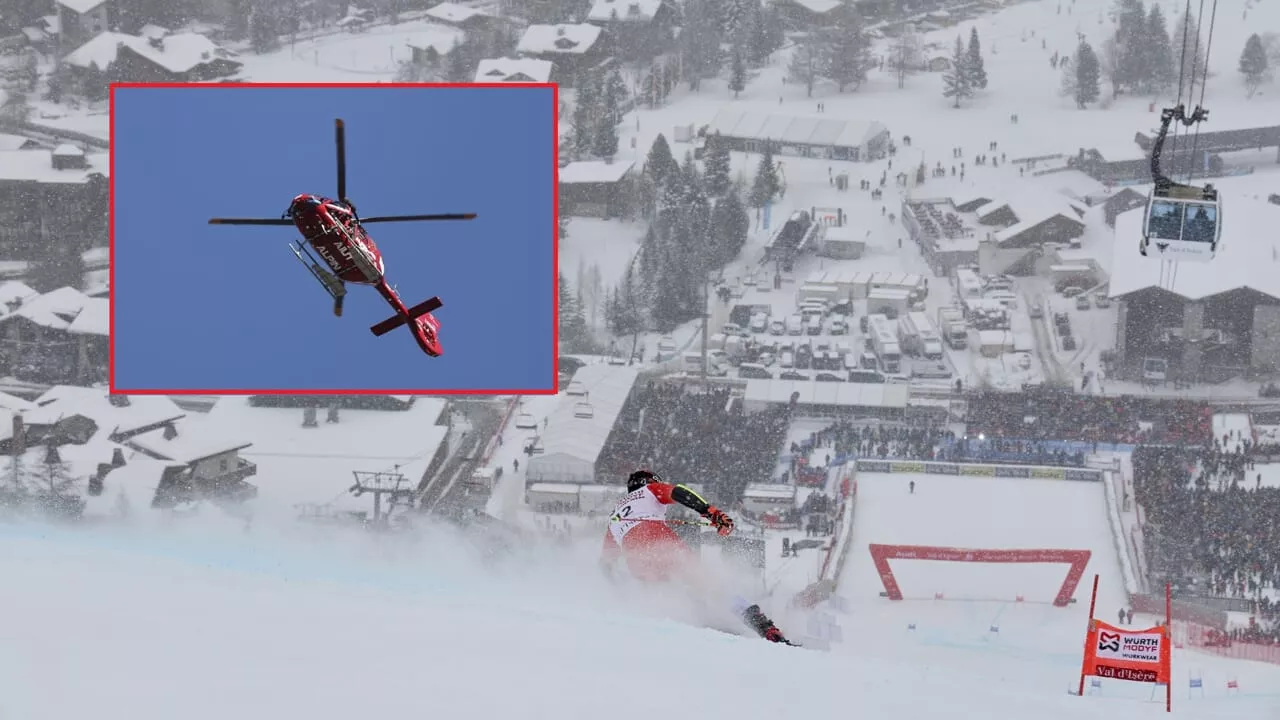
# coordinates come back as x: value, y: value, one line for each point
x: 1206, y: 640
x: 977, y: 470
x: 838, y: 551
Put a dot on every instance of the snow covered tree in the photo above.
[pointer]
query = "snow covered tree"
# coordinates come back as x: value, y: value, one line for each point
x: 716, y: 160
x: 626, y: 307
x: 1254, y: 65
x: 974, y: 64
x: 457, y: 64
x: 1189, y: 54
x: 605, y: 143
x: 730, y: 223
x: 806, y: 61
x: 700, y: 42
x: 1131, y: 32
x: 586, y: 112
x: 660, y: 164
x: 765, y: 36
x: 1069, y: 81
x: 906, y: 56
x: 1087, y: 75
x: 1158, y: 53
x: 738, y: 72
x: 847, y: 51
x: 574, y: 335
x: 766, y: 185
x: 955, y: 81
x: 264, y: 27
x: 734, y: 16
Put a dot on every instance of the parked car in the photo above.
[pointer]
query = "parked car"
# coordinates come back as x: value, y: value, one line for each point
x: 1101, y: 300
x: 1037, y: 311
x: 1082, y: 302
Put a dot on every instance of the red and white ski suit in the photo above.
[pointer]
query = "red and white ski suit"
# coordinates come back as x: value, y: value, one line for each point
x: 638, y: 532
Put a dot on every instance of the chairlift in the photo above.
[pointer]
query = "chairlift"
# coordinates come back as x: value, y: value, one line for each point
x: 1183, y: 222
x: 583, y: 410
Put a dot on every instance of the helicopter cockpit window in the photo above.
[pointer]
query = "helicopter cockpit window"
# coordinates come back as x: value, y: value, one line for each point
x: 1201, y: 223
x: 1166, y: 220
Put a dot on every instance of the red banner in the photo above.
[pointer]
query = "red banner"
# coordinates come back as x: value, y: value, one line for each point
x: 1135, y: 655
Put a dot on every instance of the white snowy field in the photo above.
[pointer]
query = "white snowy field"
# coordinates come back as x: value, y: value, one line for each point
x: 1034, y: 644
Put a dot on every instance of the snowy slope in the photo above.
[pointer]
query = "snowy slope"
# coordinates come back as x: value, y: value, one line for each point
x: 204, y: 626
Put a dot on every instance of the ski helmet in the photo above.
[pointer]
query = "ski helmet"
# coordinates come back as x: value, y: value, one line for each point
x: 639, y: 479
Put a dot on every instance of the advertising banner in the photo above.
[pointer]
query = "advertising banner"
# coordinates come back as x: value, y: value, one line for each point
x: 1012, y: 471
x: 941, y: 468
x: 1135, y: 655
x: 980, y: 470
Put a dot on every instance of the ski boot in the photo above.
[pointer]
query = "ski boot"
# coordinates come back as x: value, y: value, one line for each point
x: 758, y: 621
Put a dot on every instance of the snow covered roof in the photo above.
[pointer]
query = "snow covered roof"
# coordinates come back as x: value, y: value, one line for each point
x: 297, y: 464
x: 16, y: 142
x: 94, y: 318
x: 56, y: 309
x: 98, y: 257
x: 1034, y: 206
x: 818, y: 6
x: 439, y: 38
x: 81, y: 6
x: 580, y: 438
x: 514, y: 70
x: 37, y: 166
x: 15, y: 293
x: 129, y: 488
x: 176, y: 53
x: 558, y: 39
x: 453, y: 13
x: 142, y: 411
x: 608, y: 10
x: 754, y: 125
x: 97, y: 283
x: 1248, y: 256
x: 594, y: 171
x: 197, y: 439
x: 67, y: 150
x: 812, y: 392
x: 153, y: 31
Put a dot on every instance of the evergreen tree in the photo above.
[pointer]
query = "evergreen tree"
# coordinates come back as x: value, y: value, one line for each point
x: 1254, y: 64
x: 955, y: 81
x: 1088, y: 75
x: 847, y: 52
x: 605, y: 141
x: 765, y: 33
x: 734, y: 16
x: 660, y: 164
x: 586, y: 113
x: 730, y: 223
x: 738, y: 72
x: 806, y: 61
x: 574, y: 335
x: 974, y: 63
x: 1159, y: 51
x: 1189, y: 52
x: 767, y: 183
x: 264, y: 27
x: 1131, y: 26
x: 626, y: 309
x: 717, y: 162
x: 457, y: 64
x: 615, y: 93
x: 700, y: 42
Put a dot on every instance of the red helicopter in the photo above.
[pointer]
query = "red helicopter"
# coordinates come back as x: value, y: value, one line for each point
x: 334, y: 230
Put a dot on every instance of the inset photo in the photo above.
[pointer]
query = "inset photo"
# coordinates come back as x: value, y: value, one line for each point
x: 322, y: 239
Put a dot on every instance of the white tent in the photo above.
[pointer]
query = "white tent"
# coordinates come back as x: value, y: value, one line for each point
x: 574, y: 439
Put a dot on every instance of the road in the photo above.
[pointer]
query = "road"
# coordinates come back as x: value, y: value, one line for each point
x: 443, y: 490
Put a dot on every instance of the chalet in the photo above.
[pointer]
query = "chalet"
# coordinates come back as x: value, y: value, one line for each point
x: 79, y: 414
x: 91, y: 329
x: 1019, y: 228
x: 1120, y: 203
x: 82, y: 20
x: 571, y: 49
x: 816, y: 137
x: 639, y: 29
x: 201, y: 463
x: 460, y: 16
x: 181, y: 57
x: 525, y: 70
x: 803, y: 15
x: 36, y: 189
x: 595, y: 188
x: 38, y: 345
x: 431, y: 44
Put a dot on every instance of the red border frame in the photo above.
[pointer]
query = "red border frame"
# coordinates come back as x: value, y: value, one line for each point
x: 555, y: 243
x: 882, y: 554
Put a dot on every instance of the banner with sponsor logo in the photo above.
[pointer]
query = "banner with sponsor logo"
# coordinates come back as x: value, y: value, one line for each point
x: 979, y: 470
x: 1135, y: 655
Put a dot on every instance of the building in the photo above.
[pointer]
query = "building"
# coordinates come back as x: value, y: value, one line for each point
x: 944, y: 230
x: 1121, y: 202
x: 1211, y: 321
x: 830, y: 139
x: 430, y: 45
x: 842, y: 242
x: 639, y: 29
x: 37, y: 187
x: 828, y: 399
x: 1016, y: 230
x: 571, y: 49
x: 37, y: 343
x: 180, y: 57
x: 595, y: 188
x: 528, y: 70
x: 460, y: 16
x: 804, y: 15
x: 573, y: 440
x: 200, y: 462
x: 80, y: 20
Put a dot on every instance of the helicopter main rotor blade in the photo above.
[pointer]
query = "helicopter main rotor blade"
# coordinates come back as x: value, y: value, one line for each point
x: 340, y: 140
x: 411, y: 218
x: 250, y: 221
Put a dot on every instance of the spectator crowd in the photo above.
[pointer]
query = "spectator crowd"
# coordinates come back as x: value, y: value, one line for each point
x: 1051, y: 415
x: 1209, y: 529
x: 696, y: 436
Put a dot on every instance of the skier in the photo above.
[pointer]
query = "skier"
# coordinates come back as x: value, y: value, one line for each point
x: 654, y: 553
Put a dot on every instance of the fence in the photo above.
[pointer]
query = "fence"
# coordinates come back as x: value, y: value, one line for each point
x: 1204, y: 639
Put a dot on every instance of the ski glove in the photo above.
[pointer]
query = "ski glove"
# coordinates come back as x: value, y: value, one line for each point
x: 721, y: 522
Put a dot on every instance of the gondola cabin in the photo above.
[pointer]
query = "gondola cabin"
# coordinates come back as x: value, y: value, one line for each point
x: 1183, y: 226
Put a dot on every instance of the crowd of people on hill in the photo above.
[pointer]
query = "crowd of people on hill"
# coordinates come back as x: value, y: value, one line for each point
x: 1049, y: 415
x: 1209, y: 526
x: 696, y: 436
x: 892, y: 442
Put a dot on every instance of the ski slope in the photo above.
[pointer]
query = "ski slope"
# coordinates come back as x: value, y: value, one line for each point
x: 201, y: 624
x: 1034, y: 644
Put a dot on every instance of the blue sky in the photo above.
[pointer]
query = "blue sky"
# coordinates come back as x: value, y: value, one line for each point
x: 200, y: 306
